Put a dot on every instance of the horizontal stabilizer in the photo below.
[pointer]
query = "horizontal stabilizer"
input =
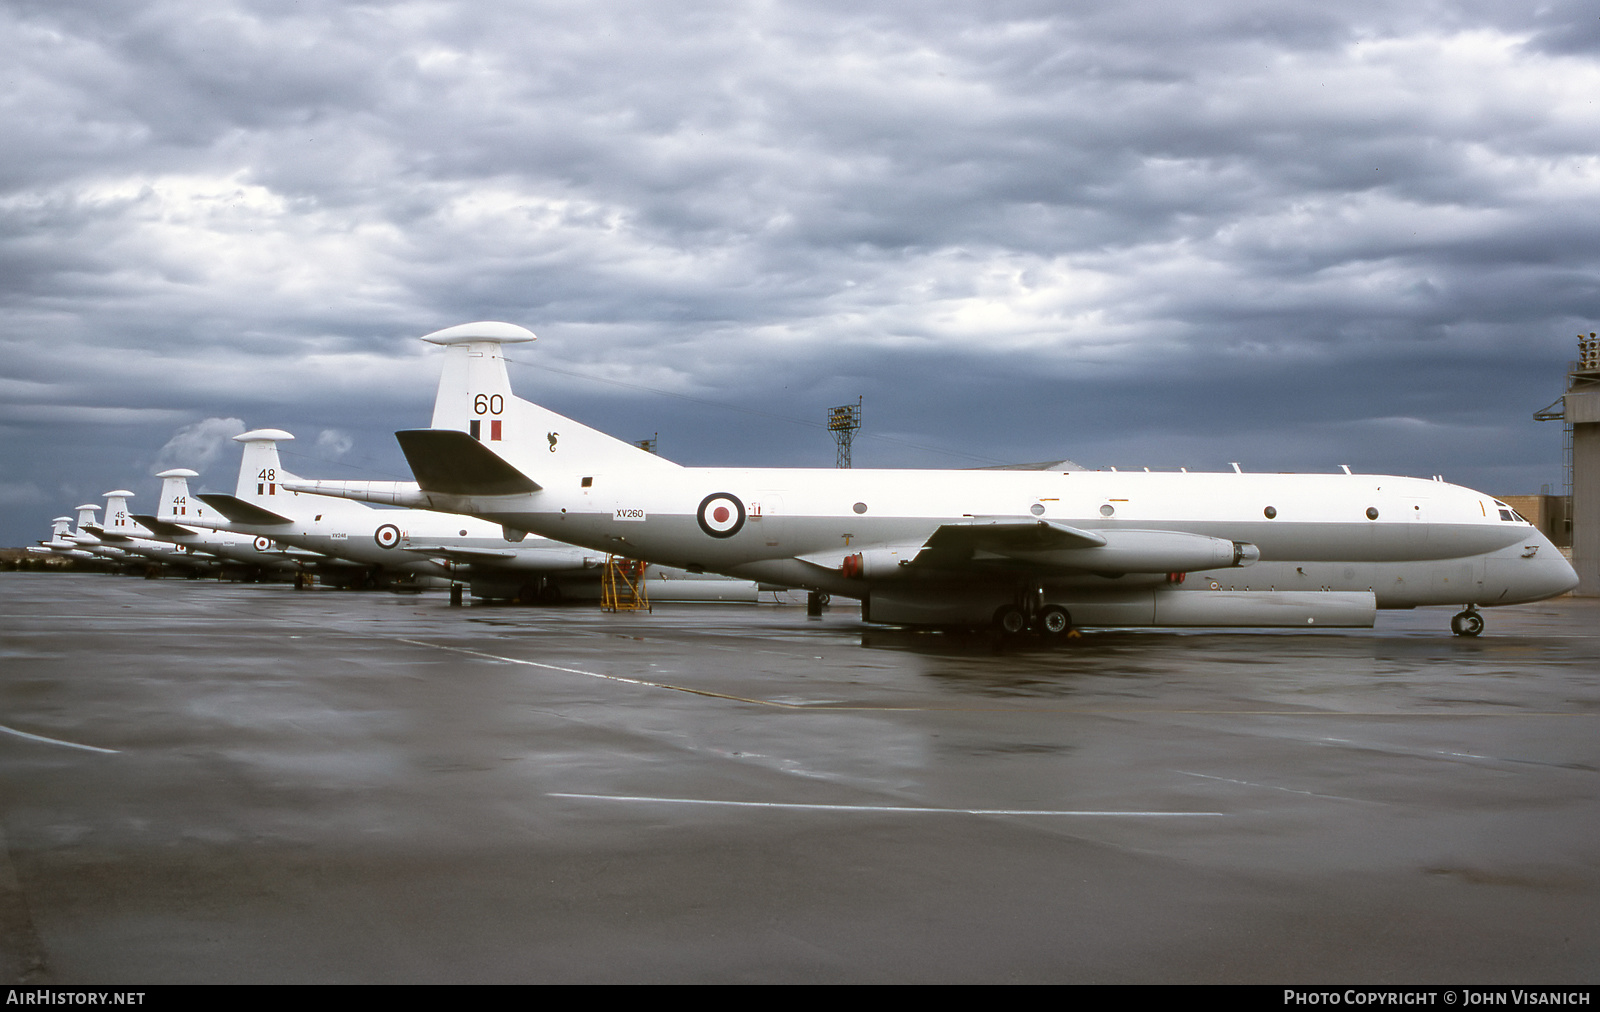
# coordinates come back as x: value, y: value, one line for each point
x: 238, y: 511
x: 453, y: 463
x: 160, y: 528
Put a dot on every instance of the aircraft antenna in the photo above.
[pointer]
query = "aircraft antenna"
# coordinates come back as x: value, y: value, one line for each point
x: 843, y: 422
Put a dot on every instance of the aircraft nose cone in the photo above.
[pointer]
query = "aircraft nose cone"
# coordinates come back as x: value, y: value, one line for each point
x: 1561, y: 576
x: 1532, y: 571
x: 1544, y: 577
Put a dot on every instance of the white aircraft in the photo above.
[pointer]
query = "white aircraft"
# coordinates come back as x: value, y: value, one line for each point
x: 60, y: 543
x: 178, y: 507
x: 1048, y: 549
x: 123, y: 532
x: 361, y: 540
x: 423, y: 542
x: 83, y: 536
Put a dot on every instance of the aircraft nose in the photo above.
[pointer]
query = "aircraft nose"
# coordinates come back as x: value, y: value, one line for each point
x: 1559, y: 576
x: 1531, y: 570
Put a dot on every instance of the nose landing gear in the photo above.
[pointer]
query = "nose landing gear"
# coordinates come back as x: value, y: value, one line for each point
x: 1467, y: 623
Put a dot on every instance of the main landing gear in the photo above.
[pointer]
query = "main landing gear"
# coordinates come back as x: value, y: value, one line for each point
x: 1467, y: 623
x: 1051, y: 620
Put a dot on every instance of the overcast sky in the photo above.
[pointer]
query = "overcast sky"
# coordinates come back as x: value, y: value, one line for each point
x: 1132, y: 234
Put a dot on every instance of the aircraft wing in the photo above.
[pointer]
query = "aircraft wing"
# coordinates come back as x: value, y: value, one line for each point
x: 1043, y: 546
x: 298, y: 554
x: 160, y: 528
x: 549, y: 559
x: 238, y: 511
x: 455, y: 554
x: 1005, y: 536
x: 452, y: 462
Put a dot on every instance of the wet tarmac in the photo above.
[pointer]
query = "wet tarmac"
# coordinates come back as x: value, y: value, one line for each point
x: 238, y: 783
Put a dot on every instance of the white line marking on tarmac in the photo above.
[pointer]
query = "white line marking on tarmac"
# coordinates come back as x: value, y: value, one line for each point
x: 596, y: 674
x: 1270, y: 787
x: 877, y: 808
x: 56, y: 741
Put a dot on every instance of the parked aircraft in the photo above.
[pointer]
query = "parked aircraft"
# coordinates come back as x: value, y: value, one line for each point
x: 60, y: 543
x: 178, y: 508
x: 1050, y: 549
x: 423, y: 542
x: 364, y: 541
x: 123, y: 532
x: 84, y: 537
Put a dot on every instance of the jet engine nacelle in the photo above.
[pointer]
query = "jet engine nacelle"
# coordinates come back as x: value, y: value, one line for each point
x: 879, y: 563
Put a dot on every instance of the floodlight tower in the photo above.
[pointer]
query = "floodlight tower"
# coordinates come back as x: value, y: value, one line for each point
x: 1579, y: 408
x: 843, y: 421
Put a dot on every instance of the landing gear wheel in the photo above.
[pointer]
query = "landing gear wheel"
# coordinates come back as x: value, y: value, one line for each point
x: 1055, y: 621
x: 1466, y: 623
x: 1010, y: 620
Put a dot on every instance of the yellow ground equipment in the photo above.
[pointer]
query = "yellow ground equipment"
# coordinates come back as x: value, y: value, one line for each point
x: 622, y: 586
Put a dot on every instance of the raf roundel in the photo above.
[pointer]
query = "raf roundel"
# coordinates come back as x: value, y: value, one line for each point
x: 262, y: 544
x: 387, y: 536
x: 721, y: 514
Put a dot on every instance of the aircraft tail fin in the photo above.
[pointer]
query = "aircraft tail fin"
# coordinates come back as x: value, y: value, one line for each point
x: 260, y: 472
x: 86, y: 514
x: 118, y: 522
x: 475, y: 397
x: 474, y: 390
x: 176, y: 504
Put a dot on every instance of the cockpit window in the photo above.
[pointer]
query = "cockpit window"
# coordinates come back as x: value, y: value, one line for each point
x: 1505, y: 514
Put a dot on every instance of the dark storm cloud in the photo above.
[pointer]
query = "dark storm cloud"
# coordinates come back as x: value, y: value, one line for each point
x: 1158, y: 233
